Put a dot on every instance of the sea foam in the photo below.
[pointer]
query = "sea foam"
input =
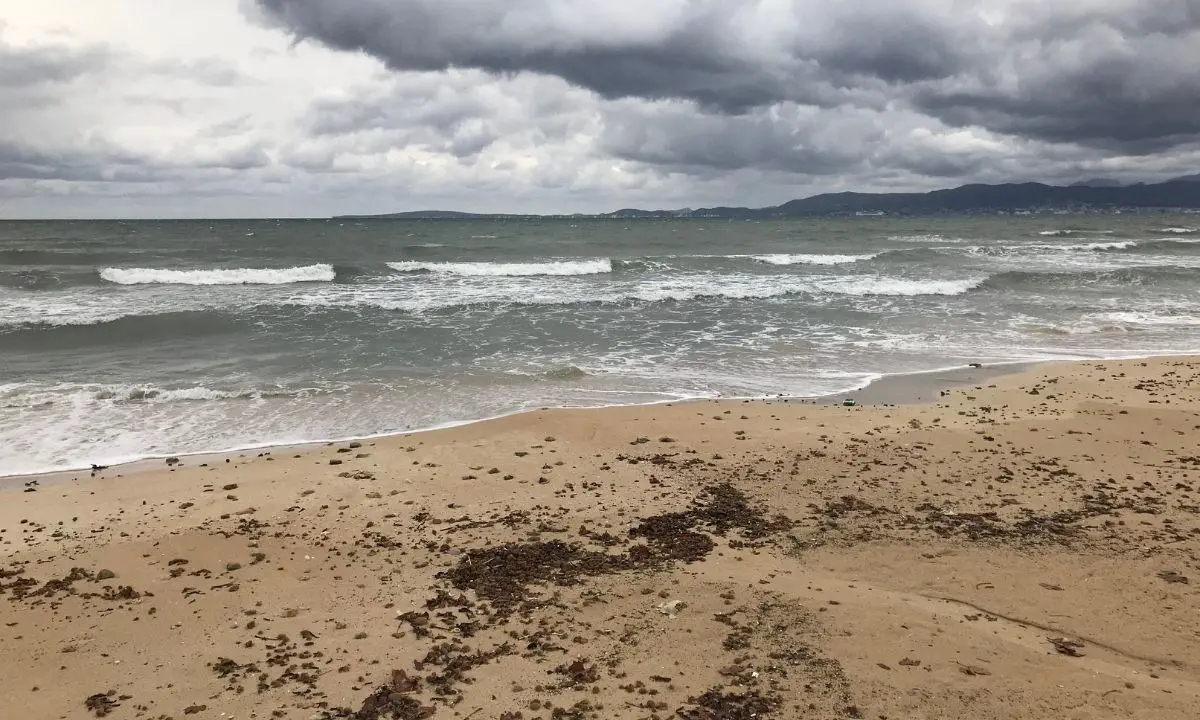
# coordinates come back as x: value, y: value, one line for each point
x: 1116, y: 245
x: 597, y: 266
x: 223, y: 276
x: 811, y: 259
x: 897, y: 286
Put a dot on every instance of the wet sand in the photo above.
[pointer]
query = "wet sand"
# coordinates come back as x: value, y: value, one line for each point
x: 1023, y: 545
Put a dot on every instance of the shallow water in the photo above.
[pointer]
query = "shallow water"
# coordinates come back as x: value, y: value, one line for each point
x: 125, y: 339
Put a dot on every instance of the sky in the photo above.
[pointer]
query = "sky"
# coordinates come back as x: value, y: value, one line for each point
x: 310, y: 108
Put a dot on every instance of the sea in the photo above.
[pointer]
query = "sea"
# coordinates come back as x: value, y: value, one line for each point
x: 136, y: 339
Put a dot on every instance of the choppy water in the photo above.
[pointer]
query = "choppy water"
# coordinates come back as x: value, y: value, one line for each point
x: 121, y: 340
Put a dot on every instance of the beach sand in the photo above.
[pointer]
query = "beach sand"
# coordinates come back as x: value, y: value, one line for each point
x: 1021, y: 546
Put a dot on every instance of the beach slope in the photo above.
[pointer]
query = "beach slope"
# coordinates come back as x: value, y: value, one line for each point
x: 1020, y: 546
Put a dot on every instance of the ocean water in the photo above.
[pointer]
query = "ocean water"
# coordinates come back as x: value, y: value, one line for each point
x: 121, y: 340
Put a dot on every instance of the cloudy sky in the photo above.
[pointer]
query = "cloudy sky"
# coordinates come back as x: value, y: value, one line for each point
x: 126, y: 108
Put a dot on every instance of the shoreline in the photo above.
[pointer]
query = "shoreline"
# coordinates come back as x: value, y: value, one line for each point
x: 879, y: 390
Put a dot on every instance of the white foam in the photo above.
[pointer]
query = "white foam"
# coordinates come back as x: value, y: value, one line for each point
x: 1148, y: 319
x: 859, y: 285
x: 1179, y: 230
x: 489, y: 269
x: 1038, y: 248
x: 418, y: 296
x: 195, y: 394
x: 1068, y: 233
x: 463, y: 291
x: 810, y: 259
x: 1117, y: 245
x: 223, y: 276
x: 16, y: 314
x: 1122, y: 321
x: 86, y: 307
x: 29, y: 396
x: 918, y: 238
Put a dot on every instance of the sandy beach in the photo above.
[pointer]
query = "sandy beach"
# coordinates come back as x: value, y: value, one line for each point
x: 1016, y: 546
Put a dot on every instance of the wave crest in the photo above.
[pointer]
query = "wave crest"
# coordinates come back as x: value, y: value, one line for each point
x: 811, y: 259
x: 898, y: 286
x: 1116, y: 245
x: 224, y: 276
x: 597, y: 266
x: 1069, y: 233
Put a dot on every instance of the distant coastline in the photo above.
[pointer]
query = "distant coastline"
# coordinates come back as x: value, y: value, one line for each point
x: 1179, y: 194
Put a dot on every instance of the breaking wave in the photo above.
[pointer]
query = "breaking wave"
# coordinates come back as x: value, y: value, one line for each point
x: 1069, y: 233
x: 811, y: 259
x: 224, y: 276
x: 1117, y: 245
x: 898, y: 286
x: 14, y: 397
x: 598, y: 266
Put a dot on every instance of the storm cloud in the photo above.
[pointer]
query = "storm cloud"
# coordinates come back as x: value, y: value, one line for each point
x: 1121, y: 74
x: 303, y: 107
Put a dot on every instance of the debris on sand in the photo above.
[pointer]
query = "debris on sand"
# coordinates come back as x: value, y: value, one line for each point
x: 101, y: 704
x: 1172, y: 576
x: 503, y: 574
x: 578, y: 673
x: 973, y: 670
x: 1066, y: 646
x: 392, y: 702
x: 721, y: 508
x: 721, y: 704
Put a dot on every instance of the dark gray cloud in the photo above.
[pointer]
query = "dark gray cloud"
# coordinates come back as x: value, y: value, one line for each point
x: 103, y: 162
x: 84, y: 164
x: 1115, y: 74
x: 617, y: 49
x: 789, y: 138
x: 583, y: 105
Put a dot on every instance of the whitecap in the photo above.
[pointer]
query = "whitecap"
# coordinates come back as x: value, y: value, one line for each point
x: 858, y: 285
x: 811, y: 259
x: 493, y: 269
x: 222, y: 276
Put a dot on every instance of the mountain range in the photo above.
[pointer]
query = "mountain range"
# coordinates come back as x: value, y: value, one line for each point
x: 1087, y: 195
